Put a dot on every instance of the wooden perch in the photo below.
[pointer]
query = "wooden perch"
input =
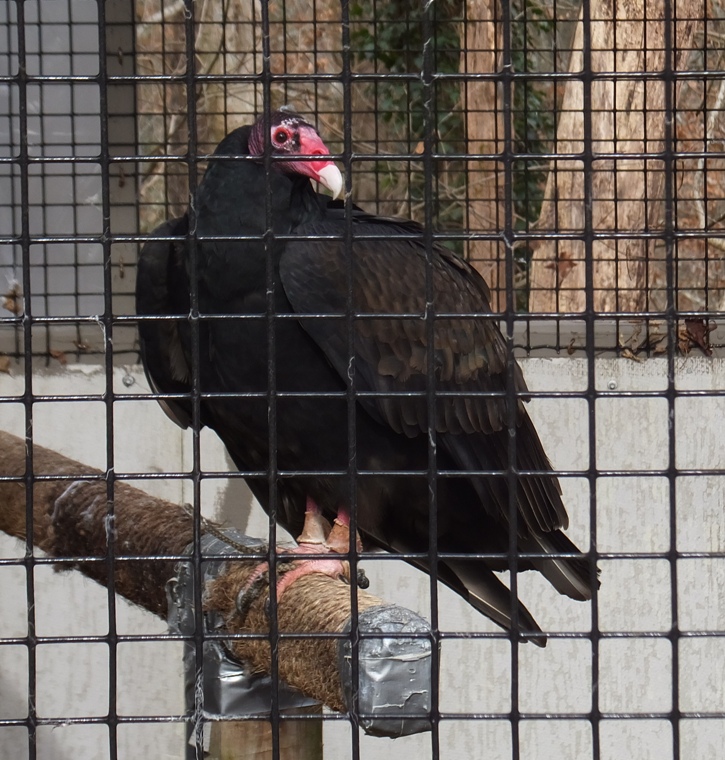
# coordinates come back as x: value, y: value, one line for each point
x: 145, y: 526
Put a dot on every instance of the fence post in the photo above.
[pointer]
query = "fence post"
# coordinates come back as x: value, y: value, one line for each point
x: 252, y: 739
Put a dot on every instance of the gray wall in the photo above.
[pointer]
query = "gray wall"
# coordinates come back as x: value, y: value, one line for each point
x: 632, y: 514
x: 65, y: 188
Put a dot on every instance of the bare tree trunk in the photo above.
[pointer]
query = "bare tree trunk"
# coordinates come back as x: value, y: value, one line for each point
x: 306, y: 38
x: 227, y: 42
x: 628, y: 117
x: 485, y: 135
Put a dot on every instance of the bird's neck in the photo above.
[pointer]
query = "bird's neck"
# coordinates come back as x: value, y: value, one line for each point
x: 233, y: 200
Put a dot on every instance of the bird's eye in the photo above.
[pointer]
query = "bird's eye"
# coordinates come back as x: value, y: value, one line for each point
x: 280, y: 137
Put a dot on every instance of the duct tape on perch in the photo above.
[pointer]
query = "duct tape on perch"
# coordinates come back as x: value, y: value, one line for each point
x: 394, y: 652
x: 394, y: 671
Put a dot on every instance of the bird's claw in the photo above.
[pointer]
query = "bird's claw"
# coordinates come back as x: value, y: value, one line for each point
x: 363, y: 581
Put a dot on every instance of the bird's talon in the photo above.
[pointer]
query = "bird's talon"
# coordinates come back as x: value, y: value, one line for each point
x: 363, y: 581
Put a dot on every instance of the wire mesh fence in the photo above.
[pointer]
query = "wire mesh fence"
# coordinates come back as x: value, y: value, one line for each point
x: 572, y: 153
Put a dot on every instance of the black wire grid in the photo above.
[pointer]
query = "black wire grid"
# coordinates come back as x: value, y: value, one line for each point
x: 111, y: 109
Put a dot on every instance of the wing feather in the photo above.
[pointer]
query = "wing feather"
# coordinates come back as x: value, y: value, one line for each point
x: 160, y: 267
x: 391, y: 353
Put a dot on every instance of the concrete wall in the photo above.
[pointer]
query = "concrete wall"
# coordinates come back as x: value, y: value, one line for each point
x: 64, y: 183
x: 635, y: 674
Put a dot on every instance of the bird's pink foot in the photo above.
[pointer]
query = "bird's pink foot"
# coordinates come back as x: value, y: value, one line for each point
x: 337, y: 569
x: 316, y: 538
x: 291, y: 570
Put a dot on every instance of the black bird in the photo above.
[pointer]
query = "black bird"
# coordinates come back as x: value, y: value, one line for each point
x: 314, y: 271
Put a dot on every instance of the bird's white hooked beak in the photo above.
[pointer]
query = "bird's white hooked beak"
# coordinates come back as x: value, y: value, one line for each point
x: 331, y: 177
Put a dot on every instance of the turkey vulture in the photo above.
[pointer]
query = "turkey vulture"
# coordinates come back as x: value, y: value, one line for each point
x: 335, y: 297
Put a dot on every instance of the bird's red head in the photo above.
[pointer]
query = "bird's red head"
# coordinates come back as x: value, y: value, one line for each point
x: 291, y: 136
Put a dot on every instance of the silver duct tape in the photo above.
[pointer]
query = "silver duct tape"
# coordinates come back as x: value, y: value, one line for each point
x: 229, y: 689
x: 394, y: 685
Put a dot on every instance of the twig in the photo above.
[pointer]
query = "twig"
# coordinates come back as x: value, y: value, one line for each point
x: 712, y: 118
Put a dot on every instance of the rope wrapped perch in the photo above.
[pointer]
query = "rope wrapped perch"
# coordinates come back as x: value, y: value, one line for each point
x: 150, y: 537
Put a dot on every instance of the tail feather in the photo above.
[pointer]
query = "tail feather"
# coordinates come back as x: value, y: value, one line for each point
x: 485, y: 592
x: 568, y: 575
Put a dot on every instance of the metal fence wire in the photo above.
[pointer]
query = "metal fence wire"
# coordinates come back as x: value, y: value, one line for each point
x: 573, y: 154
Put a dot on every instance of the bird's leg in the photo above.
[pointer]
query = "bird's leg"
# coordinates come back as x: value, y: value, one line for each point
x: 315, y: 529
x: 338, y: 539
